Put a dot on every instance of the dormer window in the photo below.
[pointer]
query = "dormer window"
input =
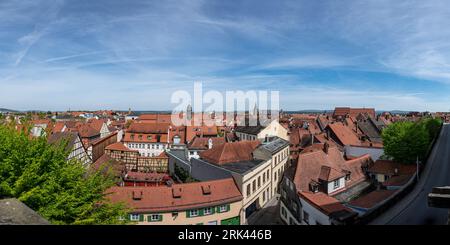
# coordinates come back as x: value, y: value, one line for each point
x: 314, y: 187
x: 347, y: 176
x: 336, y: 184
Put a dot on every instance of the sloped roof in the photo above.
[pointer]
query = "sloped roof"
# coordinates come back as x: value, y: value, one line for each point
x: 201, y: 143
x: 59, y: 137
x: 188, y: 196
x: 371, y: 199
x: 316, y: 165
x: 344, y: 134
x: 230, y: 152
x: 118, y: 146
x: 325, y: 203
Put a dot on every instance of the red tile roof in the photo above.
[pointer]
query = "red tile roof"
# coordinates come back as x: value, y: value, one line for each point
x: 388, y: 167
x: 344, y: 134
x: 118, y: 146
x: 178, y: 197
x: 230, y: 152
x: 322, y: 201
x: 316, y: 165
x: 201, y: 143
x: 146, y: 177
x: 353, y: 112
x: 373, y: 198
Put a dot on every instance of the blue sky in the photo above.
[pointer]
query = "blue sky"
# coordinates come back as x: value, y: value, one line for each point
x: 56, y: 54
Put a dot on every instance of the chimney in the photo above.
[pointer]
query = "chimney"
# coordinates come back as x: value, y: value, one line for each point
x: 326, y: 146
x: 210, y: 143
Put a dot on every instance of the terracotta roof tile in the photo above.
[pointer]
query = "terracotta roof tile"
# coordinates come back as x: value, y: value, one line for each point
x: 325, y: 203
x: 371, y: 199
x: 190, y: 196
x: 231, y: 152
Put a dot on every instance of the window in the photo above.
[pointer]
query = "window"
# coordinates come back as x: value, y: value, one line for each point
x: 193, y: 213
x: 305, y: 217
x: 140, y: 136
x: 264, y: 178
x: 155, y: 217
x: 336, y: 184
x: 208, y: 211
x: 347, y: 176
x: 134, y: 217
x: 254, y: 186
x: 248, y: 190
x: 149, y: 137
x: 223, y: 208
x: 259, y: 181
x: 132, y: 136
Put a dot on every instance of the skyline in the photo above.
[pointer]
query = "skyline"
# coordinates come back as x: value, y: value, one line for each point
x: 56, y: 55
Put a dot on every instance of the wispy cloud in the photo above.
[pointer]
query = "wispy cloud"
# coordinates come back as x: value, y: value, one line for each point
x: 386, y: 54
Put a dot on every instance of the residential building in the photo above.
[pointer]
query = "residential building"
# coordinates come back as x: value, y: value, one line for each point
x: 74, y: 146
x: 134, y: 161
x: 313, y: 190
x: 151, y: 139
x: 216, y: 202
x: 391, y: 175
x: 259, y: 132
x: 200, y: 144
x: 256, y: 167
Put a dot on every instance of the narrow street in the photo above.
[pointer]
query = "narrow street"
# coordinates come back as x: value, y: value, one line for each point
x: 268, y: 215
x: 413, y: 208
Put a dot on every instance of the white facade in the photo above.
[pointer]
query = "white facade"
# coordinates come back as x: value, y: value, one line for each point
x: 274, y: 129
x: 335, y: 185
x: 148, y: 149
x: 79, y: 153
x: 311, y: 215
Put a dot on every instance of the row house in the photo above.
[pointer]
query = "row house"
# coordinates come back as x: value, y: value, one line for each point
x: 216, y: 202
x: 151, y: 139
x: 256, y: 167
x: 134, y: 161
x: 314, y: 189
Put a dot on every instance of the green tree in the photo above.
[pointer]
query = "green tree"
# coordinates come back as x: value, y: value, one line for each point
x: 405, y: 141
x: 62, y: 191
x: 432, y: 125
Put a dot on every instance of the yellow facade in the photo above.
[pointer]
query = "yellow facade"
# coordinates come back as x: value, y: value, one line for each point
x: 230, y: 216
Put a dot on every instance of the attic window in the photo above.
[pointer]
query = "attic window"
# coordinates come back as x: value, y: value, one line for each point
x: 176, y: 192
x: 347, y: 176
x: 314, y: 187
x: 137, y: 195
x: 206, y: 190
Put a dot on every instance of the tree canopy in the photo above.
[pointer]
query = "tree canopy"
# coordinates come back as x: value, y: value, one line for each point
x: 405, y: 141
x: 62, y: 191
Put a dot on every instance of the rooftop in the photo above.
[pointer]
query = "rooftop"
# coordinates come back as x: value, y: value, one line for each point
x: 178, y: 197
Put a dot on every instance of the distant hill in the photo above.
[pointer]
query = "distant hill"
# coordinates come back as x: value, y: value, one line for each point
x: 6, y: 110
